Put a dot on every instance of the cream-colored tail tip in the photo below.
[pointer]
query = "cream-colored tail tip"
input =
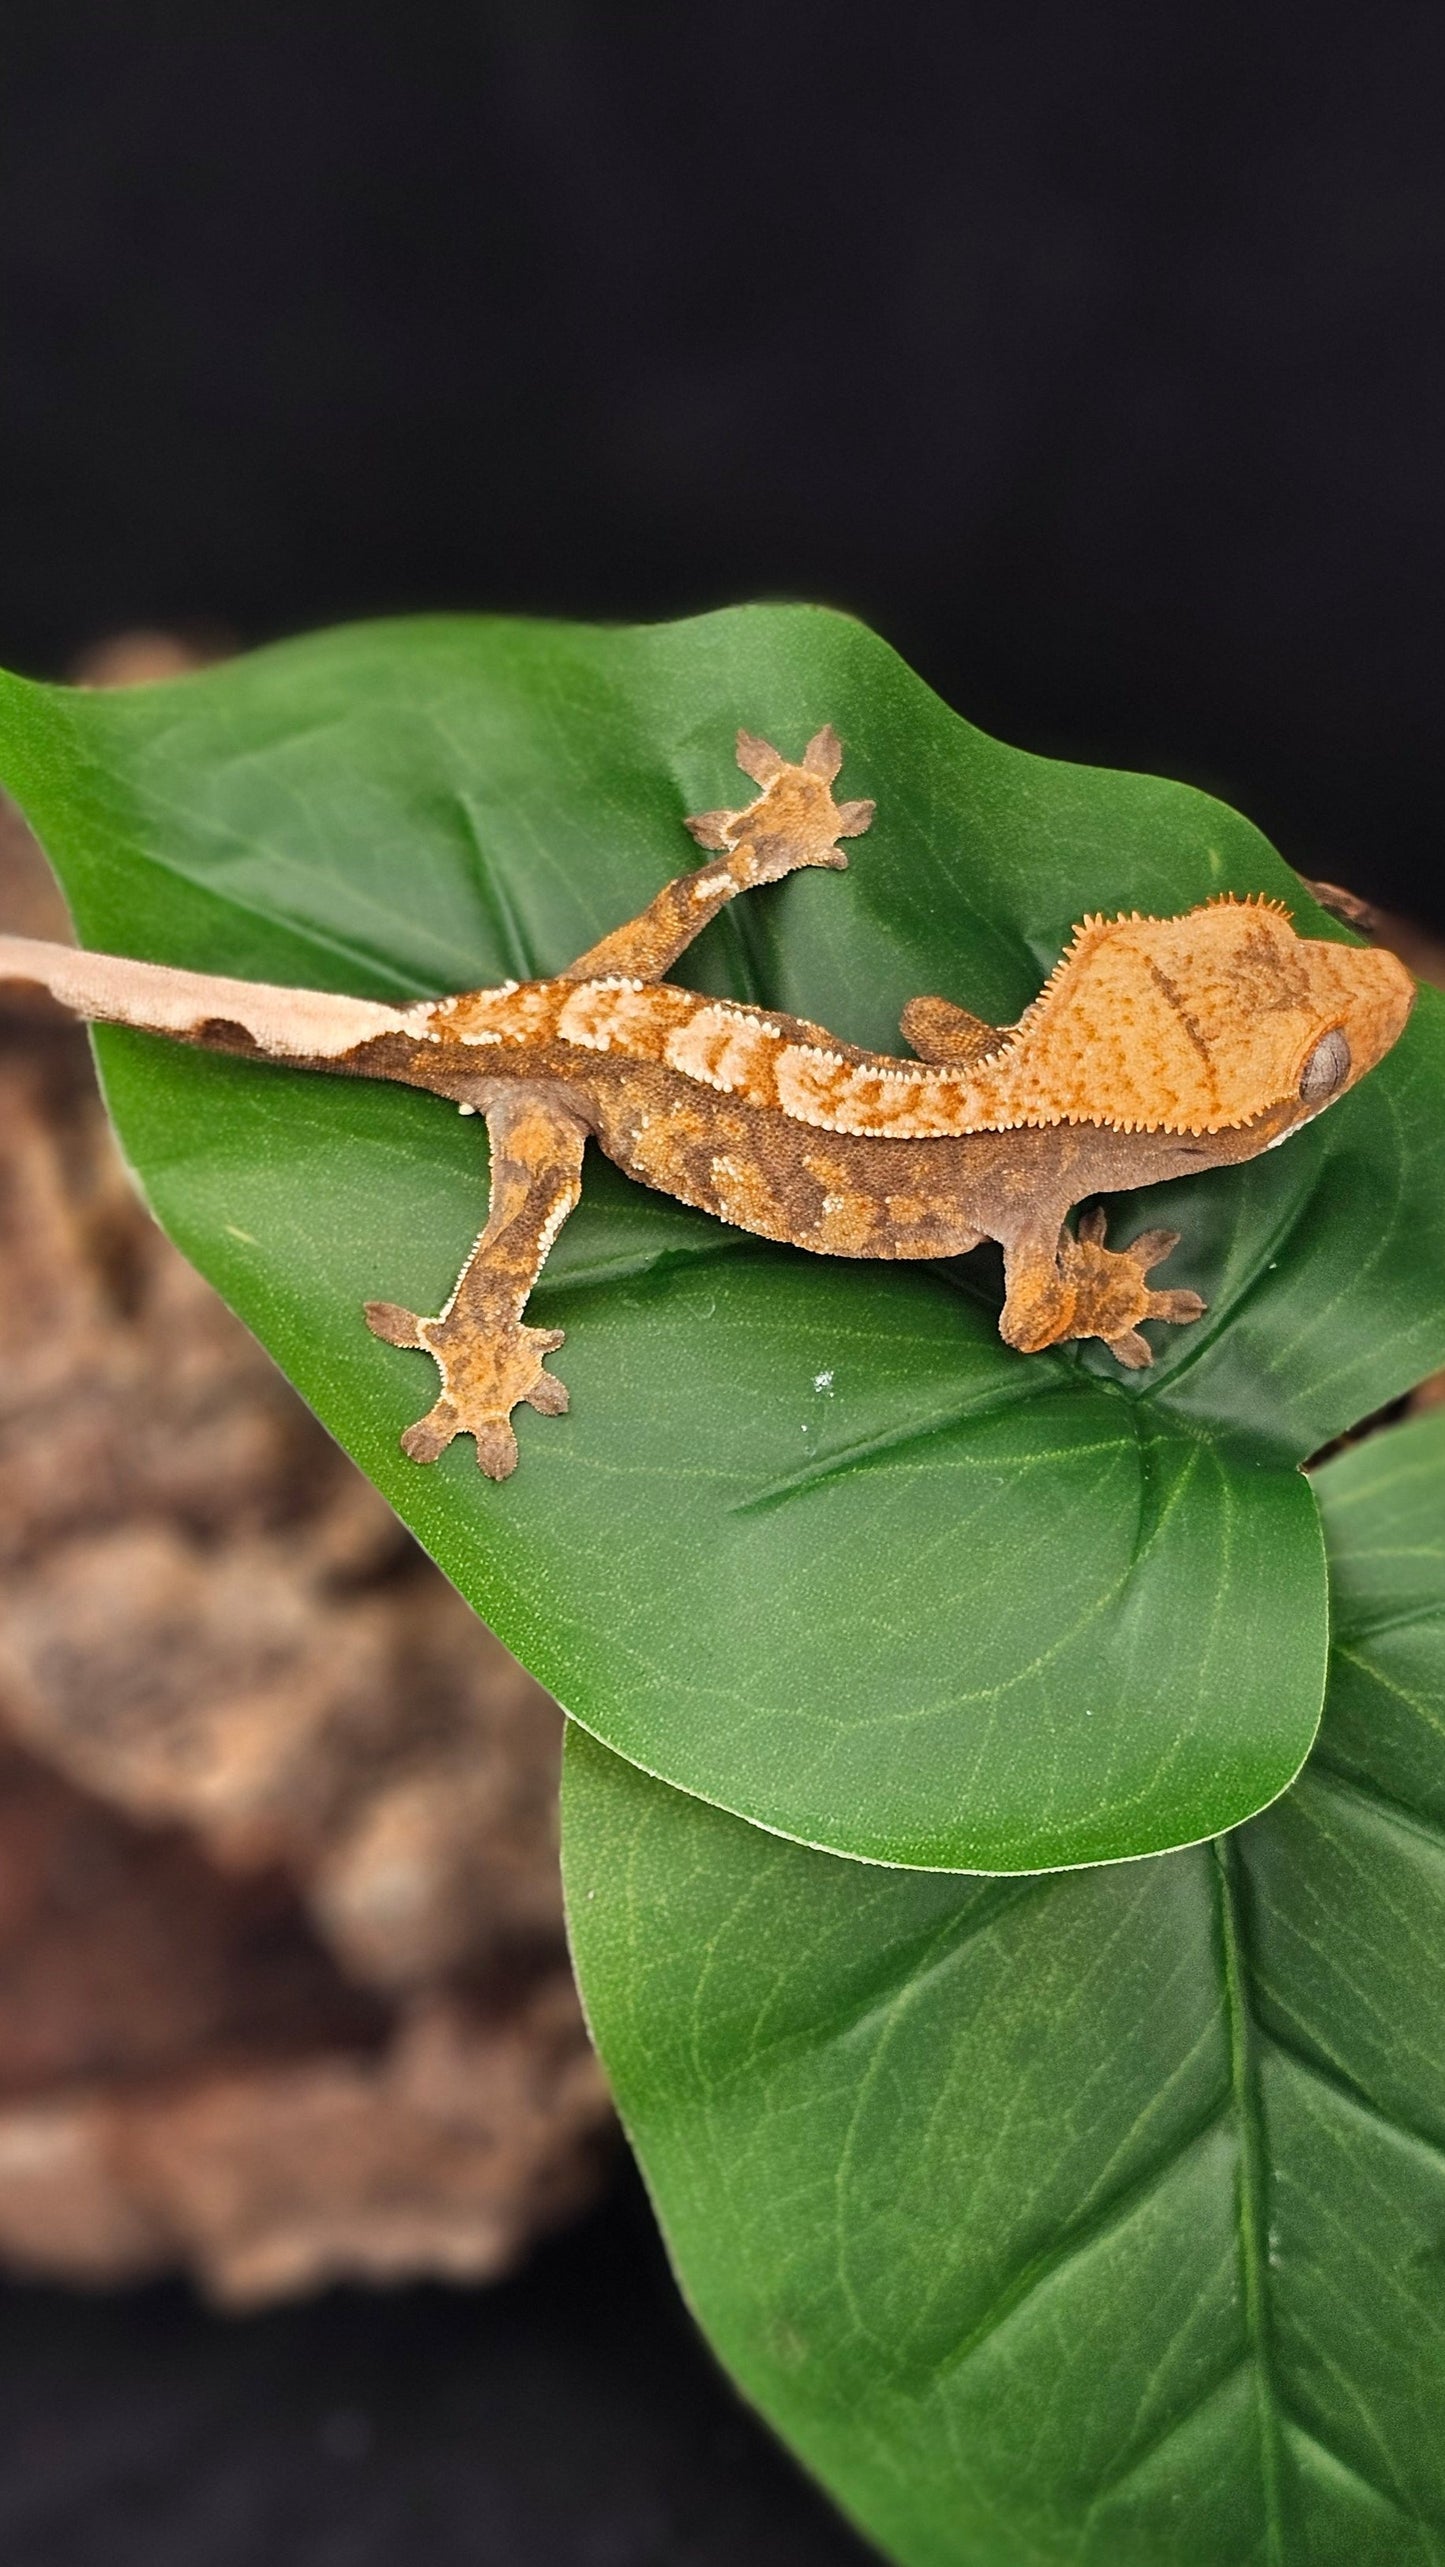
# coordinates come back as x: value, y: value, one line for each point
x: 286, y: 1024
x: 29, y: 959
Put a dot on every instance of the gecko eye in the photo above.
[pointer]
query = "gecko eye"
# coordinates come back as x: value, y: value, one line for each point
x: 1327, y: 1068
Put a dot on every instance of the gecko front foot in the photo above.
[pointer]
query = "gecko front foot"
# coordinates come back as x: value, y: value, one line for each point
x: 486, y: 1373
x: 1111, y: 1291
x: 794, y: 821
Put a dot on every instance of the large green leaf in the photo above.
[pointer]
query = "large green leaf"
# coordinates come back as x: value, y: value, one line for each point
x: 812, y: 1543
x: 1098, y: 2217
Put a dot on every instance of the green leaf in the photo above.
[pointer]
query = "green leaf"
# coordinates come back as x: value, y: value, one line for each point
x: 813, y: 1543
x: 1098, y: 2217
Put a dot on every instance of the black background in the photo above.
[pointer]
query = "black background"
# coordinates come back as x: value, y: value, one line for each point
x: 568, y: 2418
x: 1093, y: 352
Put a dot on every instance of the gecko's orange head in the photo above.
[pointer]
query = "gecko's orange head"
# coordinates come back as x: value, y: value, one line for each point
x: 1358, y: 1000
x: 1210, y: 1021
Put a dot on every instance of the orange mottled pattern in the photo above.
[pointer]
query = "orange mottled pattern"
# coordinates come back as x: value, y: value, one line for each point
x: 1193, y: 1024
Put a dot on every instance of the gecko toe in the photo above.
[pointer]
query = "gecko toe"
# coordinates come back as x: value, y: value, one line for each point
x: 431, y: 1434
x: 1180, y: 1307
x: 854, y: 818
x: 395, y: 1326
x: 1093, y: 1226
x: 1152, y: 1247
x: 823, y: 755
x: 1131, y: 1350
x: 548, y: 1396
x: 758, y: 758
x: 711, y: 829
x: 496, y: 1448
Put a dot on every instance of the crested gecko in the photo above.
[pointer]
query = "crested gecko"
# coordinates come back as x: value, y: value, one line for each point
x: 1157, y: 1047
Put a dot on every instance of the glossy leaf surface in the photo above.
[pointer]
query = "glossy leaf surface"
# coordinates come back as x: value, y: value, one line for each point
x: 1098, y: 2217
x: 812, y: 1543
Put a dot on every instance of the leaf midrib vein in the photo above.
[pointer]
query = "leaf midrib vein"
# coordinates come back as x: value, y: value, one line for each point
x: 1251, y: 2202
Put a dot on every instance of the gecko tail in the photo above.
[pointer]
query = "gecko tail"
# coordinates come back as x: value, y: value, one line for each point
x: 204, y: 1007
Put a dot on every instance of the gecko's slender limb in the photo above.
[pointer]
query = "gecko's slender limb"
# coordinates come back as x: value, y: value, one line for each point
x: 489, y: 1362
x: 937, y: 1030
x: 793, y: 822
x: 1038, y: 1305
x: 1068, y: 1286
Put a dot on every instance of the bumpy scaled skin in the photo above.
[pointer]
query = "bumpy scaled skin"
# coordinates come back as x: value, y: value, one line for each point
x: 1159, y: 1046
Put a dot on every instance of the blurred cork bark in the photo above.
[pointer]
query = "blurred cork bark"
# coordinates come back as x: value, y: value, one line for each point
x: 283, y: 1988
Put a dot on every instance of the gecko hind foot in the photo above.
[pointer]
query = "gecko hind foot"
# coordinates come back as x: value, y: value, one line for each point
x: 1112, y: 1293
x: 485, y: 1375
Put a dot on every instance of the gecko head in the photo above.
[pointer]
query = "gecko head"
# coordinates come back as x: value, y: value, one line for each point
x: 1358, y: 1001
x: 1205, y: 1023
x: 795, y: 813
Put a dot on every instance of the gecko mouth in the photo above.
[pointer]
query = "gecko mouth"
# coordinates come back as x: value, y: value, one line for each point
x: 1290, y: 1129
